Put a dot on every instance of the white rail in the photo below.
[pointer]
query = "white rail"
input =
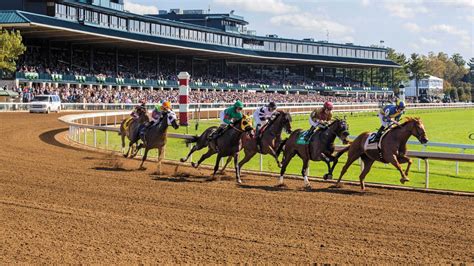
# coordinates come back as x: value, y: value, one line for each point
x: 80, y: 124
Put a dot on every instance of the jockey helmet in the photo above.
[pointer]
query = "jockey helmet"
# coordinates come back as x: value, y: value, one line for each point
x: 166, y: 105
x: 400, y: 104
x: 328, y: 105
x: 238, y: 104
x: 272, y: 105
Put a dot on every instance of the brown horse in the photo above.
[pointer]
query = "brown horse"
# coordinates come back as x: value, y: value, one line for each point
x: 129, y: 128
x: 229, y: 143
x: 393, y: 149
x: 320, y: 147
x: 270, y: 139
x: 155, y: 137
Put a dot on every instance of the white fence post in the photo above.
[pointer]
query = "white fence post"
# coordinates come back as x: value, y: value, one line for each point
x: 95, y: 138
x: 427, y: 174
x: 261, y: 162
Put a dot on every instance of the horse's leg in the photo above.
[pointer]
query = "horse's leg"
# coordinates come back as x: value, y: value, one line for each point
x: 237, y: 168
x: 122, y: 137
x: 144, y: 158
x: 328, y: 159
x: 304, y: 172
x: 194, y: 148
x: 161, y: 153
x: 206, y: 155
x: 274, y: 154
x: 350, y: 160
x: 404, y: 159
x: 393, y: 160
x: 286, y: 160
x: 367, y: 165
x: 248, y: 155
x: 216, y: 166
x: 222, y: 171
x: 136, y: 150
x: 128, y: 150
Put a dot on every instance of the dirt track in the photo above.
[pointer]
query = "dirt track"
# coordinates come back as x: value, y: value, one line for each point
x: 60, y: 204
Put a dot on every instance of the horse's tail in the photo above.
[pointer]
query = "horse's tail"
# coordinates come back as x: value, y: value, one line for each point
x: 193, y: 139
x: 341, y: 152
x: 281, y: 146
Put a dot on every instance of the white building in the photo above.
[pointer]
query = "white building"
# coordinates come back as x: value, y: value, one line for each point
x: 429, y: 86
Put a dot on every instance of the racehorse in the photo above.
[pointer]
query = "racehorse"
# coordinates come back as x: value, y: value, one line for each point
x: 320, y: 147
x: 155, y: 137
x: 129, y: 128
x: 229, y: 143
x: 393, y: 149
x: 270, y: 139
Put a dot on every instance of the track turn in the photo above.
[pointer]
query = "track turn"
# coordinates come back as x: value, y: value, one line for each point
x: 60, y: 204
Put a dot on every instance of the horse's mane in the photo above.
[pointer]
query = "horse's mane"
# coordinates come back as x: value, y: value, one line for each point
x: 410, y: 119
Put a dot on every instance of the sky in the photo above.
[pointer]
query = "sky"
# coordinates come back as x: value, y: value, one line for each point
x: 416, y: 26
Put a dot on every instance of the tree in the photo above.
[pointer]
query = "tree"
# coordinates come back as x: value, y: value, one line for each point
x: 400, y: 75
x: 11, y: 47
x: 417, y: 70
x: 458, y: 60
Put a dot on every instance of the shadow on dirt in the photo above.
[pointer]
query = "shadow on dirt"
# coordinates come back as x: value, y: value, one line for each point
x: 265, y: 188
x: 111, y: 169
x: 49, y: 138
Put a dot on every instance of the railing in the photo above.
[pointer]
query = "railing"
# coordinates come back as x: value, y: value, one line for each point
x: 82, y: 124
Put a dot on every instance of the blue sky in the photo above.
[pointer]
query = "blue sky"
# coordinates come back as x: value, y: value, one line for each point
x: 417, y: 26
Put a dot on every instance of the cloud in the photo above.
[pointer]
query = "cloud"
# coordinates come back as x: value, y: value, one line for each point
x: 405, y: 10
x: 312, y: 23
x: 458, y: 3
x: 469, y: 18
x: 464, y: 38
x: 263, y: 6
x: 365, y: 2
x: 427, y: 41
x: 139, y: 8
x: 412, y: 27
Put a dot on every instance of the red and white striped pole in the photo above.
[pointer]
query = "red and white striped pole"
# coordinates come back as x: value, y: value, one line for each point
x: 183, y: 98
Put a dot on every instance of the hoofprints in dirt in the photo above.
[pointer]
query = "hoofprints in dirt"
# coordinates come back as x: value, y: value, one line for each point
x: 64, y: 205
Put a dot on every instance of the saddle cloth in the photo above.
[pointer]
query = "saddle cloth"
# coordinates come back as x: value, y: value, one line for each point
x: 371, y: 145
x: 127, y: 122
x: 301, y: 138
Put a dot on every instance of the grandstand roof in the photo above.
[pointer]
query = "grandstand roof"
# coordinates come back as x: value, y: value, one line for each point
x: 44, y: 27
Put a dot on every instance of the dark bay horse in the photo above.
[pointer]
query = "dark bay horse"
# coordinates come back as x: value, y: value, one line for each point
x: 155, y: 137
x: 320, y: 148
x: 393, y: 149
x: 228, y: 144
x: 270, y: 139
x: 129, y: 128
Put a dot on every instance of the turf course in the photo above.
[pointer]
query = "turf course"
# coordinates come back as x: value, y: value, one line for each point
x: 442, y: 125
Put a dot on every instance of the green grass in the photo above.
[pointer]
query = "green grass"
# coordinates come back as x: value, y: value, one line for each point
x: 448, y: 126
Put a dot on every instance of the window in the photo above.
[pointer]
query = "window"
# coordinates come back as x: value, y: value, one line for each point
x: 61, y: 11
x: 104, y: 20
x: 72, y: 13
x: 113, y: 22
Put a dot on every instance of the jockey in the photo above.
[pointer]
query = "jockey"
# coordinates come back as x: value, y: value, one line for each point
x: 227, y: 117
x: 141, y: 108
x: 263, y: 114
x: 389, y: 115
x: 319, y: 118
x: 157, y: 115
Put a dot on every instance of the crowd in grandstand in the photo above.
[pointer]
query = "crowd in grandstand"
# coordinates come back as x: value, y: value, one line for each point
x: 129, y: 96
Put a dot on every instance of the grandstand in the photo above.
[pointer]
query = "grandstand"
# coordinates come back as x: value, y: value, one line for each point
x: 96, y: 44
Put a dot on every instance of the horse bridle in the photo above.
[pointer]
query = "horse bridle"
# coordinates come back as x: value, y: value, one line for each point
x: 418, y: 134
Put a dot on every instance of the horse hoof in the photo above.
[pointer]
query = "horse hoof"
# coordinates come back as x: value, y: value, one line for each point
x: 307, y: 187
x: 403, y: 180
x: 182, y: 160
x: 239, y: 182
x: 339, y: 185
x: 125, y: 155
x: 327, y: 177
x: 193, y: 165
x: 221, y: 173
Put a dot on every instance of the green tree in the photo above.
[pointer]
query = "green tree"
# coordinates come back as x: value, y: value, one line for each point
x: 11, y: 47
x: 417, y: 70
x: 458, y: 60
x: 400, y: 75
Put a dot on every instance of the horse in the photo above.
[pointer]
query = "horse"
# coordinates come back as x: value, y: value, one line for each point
x: 393, y: 149
x: 320, y: 147
x: 130, y: 131
x: 270, y: 139
x: 229, y: 143
x: 155, y: 137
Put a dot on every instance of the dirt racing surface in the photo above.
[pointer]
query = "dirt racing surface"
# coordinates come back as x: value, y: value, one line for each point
x: 60, y: 204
